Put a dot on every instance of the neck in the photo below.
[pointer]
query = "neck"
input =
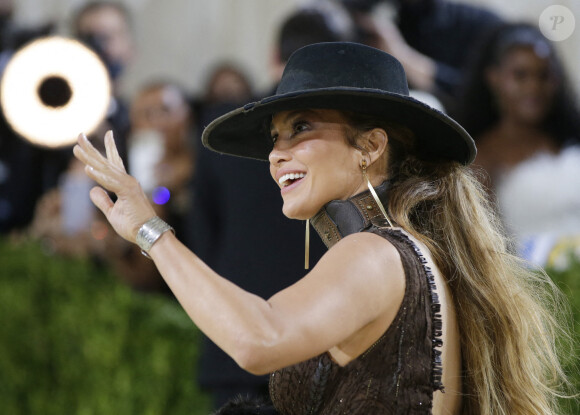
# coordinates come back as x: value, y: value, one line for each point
x: 340, y: 218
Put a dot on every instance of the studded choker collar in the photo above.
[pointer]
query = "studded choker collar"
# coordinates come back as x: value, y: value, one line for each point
x: 340, y: 218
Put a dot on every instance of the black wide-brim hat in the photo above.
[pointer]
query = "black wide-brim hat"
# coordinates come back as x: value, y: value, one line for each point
x: 342, y: 76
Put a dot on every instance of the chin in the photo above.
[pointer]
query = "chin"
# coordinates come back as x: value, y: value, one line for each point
x: 298, y: 212
x: 294, y: 215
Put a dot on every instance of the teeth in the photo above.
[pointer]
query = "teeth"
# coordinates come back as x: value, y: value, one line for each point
x: 290, y: 176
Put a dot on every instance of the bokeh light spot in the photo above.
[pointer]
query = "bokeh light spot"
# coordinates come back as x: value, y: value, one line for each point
x: 161, y: 195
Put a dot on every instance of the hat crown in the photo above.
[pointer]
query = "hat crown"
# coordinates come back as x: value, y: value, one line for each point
x: 342, y: 65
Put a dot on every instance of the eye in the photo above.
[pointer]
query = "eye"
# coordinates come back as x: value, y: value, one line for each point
x: 274, y: 137
x: 545, y: 76
x: 299, y: 126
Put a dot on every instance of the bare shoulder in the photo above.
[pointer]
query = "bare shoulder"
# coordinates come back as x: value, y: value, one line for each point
x: 367, y: 257
x: 364, y: 246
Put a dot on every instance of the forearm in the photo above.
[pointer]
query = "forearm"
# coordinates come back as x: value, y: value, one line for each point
x: 239, y: 322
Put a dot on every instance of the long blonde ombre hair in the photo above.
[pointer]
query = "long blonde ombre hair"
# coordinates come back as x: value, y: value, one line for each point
x: 511, y: 317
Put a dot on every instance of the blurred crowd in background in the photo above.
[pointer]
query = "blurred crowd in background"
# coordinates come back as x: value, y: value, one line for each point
x: 502, y: 79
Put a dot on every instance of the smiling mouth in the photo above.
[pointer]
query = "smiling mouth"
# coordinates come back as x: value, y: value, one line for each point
x: 290, y: 178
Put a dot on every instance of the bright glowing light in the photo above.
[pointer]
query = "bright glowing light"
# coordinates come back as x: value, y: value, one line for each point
x: 161, y: 195
x: 69, y: 60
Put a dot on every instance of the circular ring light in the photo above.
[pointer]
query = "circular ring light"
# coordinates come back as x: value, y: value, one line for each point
x: 53, y: 89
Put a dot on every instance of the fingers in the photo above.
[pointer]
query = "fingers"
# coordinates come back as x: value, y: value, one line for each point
x: 87, y: 153
x: 112, y: 153
x: 101, y: 200
x: 108, y: 172
x: 109, y: 180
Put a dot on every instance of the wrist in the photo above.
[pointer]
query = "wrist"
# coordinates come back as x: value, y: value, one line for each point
x: 150, y: 232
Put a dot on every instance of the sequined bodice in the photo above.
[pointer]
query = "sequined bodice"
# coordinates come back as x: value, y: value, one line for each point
x: 400, y: 372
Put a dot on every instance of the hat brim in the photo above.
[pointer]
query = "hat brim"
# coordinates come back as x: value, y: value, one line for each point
x: 245, y: 132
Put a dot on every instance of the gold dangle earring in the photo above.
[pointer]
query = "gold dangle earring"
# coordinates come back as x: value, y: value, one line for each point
x: 307, y: 245
x: 373, y: 193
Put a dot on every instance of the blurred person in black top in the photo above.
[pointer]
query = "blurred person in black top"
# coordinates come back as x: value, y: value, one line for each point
x: 237, y: 215
x: 431, y: 38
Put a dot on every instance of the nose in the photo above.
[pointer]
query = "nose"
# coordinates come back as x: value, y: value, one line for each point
x: 278, y: 156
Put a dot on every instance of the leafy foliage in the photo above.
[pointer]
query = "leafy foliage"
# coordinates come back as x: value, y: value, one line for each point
x: 568, y: 279
x: 76, y: 340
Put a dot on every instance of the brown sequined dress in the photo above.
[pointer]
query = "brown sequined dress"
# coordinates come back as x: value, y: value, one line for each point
x: 396, y: 375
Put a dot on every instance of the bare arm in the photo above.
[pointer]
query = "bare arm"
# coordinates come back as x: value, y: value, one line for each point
x: 359, y: 281
x: 346, y: 291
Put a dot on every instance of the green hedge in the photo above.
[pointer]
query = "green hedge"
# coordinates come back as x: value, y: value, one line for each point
x: 75, y: 340
x: 568, y: 279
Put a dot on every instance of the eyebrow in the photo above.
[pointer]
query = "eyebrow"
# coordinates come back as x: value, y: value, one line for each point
x: 292, y: 114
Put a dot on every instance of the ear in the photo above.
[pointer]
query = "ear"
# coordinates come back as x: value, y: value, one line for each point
x: 375, y: 143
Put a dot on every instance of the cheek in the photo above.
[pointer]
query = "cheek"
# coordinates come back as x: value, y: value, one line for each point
x: 330, y: 166
x: 510, y: 88
x: 336, y: 166
x: 507, y: 93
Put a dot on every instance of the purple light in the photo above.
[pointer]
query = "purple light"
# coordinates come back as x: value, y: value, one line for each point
x: 161, y: 195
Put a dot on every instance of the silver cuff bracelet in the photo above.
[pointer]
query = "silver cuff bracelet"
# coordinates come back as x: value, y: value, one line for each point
x: 150, y: 232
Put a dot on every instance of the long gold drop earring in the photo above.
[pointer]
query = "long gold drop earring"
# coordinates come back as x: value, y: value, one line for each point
x: 372, y: 190
x: 307, y: 245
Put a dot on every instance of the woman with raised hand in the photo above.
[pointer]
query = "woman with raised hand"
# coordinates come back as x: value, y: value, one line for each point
x: 417, y: 307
